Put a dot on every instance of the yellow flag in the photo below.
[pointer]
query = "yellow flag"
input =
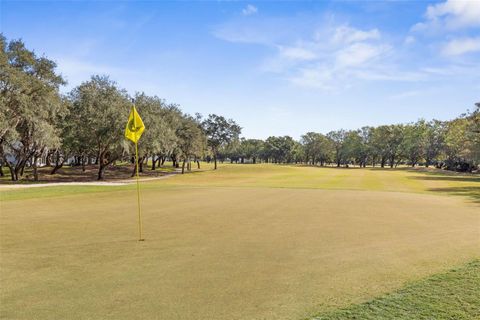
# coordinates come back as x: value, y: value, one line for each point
x: 135, y: 126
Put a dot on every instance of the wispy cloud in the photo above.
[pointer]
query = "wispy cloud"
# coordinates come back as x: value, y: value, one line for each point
x: 406, y: 94
x: 332, y: 55
x: 346, y: 34
x: 76, y: 70
x: 249, y: 10
x: 461, y: 46
x: 296, y: 53
x: 330, y: 58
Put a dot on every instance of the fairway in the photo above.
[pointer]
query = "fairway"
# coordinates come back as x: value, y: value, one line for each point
x: 244, y: 242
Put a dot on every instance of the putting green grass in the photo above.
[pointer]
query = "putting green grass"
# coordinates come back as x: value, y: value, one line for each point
x: 245, y: 242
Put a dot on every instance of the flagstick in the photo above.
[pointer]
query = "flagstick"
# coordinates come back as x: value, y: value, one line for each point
x: 138, y: 197
x: 140, y: 238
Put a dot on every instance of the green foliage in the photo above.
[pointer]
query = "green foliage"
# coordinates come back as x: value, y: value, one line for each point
x: 317, y: 147
x: 279, y: 149
x: 98, y: 113
x: 220, y: 132
x: 29, y: 104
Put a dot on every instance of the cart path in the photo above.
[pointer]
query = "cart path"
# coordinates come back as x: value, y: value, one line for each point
x: 90, y: 183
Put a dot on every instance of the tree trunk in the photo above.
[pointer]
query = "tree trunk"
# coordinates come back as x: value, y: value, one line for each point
x: 47, y: 158
x: 183, y: 166
x: 154, y: 163
x: 254, y: 160
x: 34, y: 167
x: 57, y: 166
x: 13, y: 173
x: 427, y: 163
x: 102, y: 165
x: 215, y: 162
x: 101, y: 172
x: 198, y: 164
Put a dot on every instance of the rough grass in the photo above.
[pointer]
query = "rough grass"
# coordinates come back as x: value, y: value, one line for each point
x: 451, y: 295
x: 245, y: 242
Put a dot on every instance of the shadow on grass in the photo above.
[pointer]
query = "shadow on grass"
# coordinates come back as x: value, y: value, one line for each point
x: 473, y: 193
x: 447, y: 178
x: 470, y: 191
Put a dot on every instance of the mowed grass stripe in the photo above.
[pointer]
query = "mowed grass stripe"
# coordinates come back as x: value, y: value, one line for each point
x: 451, y: 295
x: 281, y: 176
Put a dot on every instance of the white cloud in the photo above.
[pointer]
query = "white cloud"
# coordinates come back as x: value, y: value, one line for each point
x: 451, y: 15
x: 249, y: 10
x: 319, y: 77
x: 346, y: 34
x: 409, y: 40
x: 359, y: 53
x: 333, y: 59
x: 334, y: 56
x: 297, y: 53
x: 461, y: 46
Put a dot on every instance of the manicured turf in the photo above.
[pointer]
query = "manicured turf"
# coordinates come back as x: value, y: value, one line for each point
x: 451, y: 295
x: 245, y: 242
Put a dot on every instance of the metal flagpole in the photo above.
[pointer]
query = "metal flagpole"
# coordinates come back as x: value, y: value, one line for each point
x: 138, y: 198
x: 138, y: 186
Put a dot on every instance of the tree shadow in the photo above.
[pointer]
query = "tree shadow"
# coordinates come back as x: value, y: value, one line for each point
x: 387, y: 168
x: 447, y: 178
x: 472, y: 193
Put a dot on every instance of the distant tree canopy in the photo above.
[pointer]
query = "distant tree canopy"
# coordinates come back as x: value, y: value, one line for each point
x: 85, y: 127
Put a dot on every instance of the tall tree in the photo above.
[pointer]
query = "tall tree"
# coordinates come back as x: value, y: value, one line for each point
x: 252, y: 149
x: 317, y: 148
x: 191, y: 139
x: 99, y: 112
x: 338, y: 138
x: 29, y: 102
x: 219, y: 132
x: 412, y: 144
x: 433, y: 141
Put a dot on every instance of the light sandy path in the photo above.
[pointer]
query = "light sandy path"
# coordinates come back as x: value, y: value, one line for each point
x: 93, y: 183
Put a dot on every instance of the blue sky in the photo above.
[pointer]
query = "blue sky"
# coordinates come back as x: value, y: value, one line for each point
x: 277, y: 68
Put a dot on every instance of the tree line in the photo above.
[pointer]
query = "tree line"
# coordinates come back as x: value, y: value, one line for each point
x: 85, y: 126
x: 452, y: 145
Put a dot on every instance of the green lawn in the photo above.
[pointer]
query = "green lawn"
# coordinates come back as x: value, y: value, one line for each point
x: 451, y: 295
x: 244, y: 242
